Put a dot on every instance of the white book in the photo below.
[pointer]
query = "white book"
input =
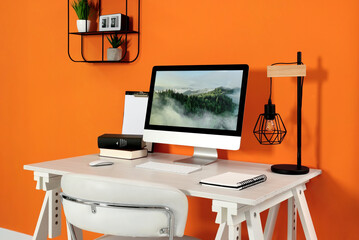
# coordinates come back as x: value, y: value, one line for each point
x: 126, y: 154
x: 234, y: 180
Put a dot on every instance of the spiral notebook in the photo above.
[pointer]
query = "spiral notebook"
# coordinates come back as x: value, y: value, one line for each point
x: 233, y: 180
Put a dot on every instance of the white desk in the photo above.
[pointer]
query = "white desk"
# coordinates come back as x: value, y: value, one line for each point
x: 232, y: 207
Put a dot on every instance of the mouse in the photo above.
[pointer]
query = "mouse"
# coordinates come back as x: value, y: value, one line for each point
x: 99, y: 163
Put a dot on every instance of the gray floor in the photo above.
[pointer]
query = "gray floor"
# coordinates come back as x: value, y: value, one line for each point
x: 11, y: 235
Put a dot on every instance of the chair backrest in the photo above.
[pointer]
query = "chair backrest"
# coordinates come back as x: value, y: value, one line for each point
x: 110, y: 206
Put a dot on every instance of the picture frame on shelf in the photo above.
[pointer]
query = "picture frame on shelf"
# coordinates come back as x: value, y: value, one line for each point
x: 104, y: 23
x: 114, y: 22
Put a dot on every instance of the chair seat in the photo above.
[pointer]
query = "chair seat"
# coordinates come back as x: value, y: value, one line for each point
x: 121, y: 207
x: 109, y: 237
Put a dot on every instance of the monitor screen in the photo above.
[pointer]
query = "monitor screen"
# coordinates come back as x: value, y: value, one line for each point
x: 201, y: 100
x: 197, y: 99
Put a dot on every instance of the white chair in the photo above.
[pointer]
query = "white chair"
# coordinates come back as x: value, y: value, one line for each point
x: 123, y: 209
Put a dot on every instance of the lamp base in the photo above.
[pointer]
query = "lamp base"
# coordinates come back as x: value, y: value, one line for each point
x: 289, y: 169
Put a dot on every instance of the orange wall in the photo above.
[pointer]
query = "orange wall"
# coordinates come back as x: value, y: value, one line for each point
x: 52, y: 108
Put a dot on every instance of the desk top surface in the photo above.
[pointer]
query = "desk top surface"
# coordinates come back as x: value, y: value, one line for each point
x: 188, y: 183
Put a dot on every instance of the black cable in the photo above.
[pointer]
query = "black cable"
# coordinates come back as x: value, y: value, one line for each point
x: 270, y: 90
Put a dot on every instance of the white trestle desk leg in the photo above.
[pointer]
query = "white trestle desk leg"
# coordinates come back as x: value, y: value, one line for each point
x: 234, y: 231
x: 231, y: 215
x: 304, y: 213
x: 49, y: 221
x: 228, y: 220
x: 43, y: 221
x: 270, y: 223
x: 77, y: 231
x: 292, y: 219
x: 254, y: 225
x: 221, y: 219
x: 222, y: 232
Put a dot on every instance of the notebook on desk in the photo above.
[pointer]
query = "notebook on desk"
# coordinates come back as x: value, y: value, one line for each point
x: 234, y: 180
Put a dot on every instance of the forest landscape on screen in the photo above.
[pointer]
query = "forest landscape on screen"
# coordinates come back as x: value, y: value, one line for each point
x: 197, y: 99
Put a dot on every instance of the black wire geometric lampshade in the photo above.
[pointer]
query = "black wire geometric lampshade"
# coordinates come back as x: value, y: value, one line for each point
x: 269, y: 128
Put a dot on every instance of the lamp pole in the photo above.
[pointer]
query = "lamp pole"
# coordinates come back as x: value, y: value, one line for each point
x: 299, y: 114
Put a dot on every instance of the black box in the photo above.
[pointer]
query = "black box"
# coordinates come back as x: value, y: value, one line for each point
x: 120, y: 141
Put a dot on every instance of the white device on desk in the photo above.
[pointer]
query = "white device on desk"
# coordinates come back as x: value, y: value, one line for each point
x: 199, y: 106
x: 99, y: 163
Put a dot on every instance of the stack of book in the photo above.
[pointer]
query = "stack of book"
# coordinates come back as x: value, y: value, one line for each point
x: 121, y: 146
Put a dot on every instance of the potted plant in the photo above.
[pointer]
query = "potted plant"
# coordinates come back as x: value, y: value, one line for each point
x: 114, y: 53
x: 83, y: 9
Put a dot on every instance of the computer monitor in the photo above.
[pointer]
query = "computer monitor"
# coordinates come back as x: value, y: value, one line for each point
x: 198, y: 105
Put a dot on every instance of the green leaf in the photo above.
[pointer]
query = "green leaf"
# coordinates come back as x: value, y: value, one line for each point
x: 115, y: 41
x: 82, y: 8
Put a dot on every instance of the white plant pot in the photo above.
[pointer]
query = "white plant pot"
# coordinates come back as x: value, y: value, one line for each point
x: 114, y: 54
x: 81, y: 25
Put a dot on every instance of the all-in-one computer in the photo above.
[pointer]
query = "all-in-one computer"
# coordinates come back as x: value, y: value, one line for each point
x: 198, y: 105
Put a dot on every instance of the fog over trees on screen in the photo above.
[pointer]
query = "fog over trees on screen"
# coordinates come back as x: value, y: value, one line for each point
x: 204, y: 108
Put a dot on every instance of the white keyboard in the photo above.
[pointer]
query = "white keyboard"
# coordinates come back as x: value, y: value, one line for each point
x: 169, y: 167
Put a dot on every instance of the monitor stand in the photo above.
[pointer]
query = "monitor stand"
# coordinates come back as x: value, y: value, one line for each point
x: 201, y: 156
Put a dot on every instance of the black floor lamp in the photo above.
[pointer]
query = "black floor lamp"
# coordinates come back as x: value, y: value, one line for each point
x: 276, y: 133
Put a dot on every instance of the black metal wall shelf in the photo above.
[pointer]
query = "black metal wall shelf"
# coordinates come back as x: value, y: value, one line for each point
x: 102, y: 34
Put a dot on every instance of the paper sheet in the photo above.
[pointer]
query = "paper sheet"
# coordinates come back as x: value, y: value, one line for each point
x: 135, y: 114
